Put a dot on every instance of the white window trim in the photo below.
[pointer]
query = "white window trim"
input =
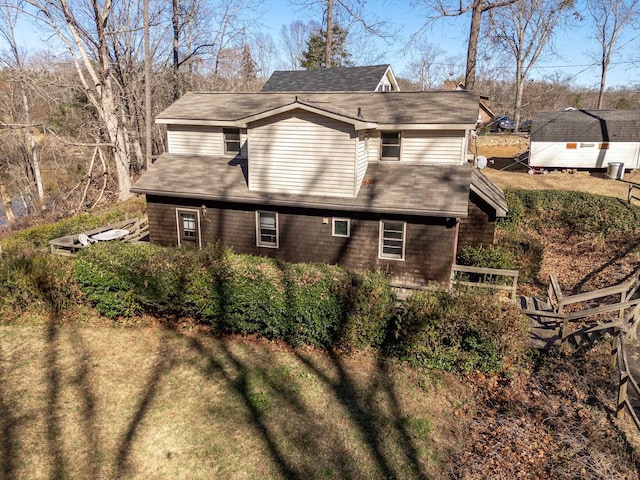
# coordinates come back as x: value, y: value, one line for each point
x: 400, y: 142
x: 224, y: 141
x: 380, y: 244
x: 178, y: 226
x: 333, y: 226
x: 258, y: 244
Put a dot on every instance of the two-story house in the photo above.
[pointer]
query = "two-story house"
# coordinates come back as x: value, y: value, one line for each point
x: 367, y: 180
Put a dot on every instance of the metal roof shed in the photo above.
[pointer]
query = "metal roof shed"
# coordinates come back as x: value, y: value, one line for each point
x: 588, y: 139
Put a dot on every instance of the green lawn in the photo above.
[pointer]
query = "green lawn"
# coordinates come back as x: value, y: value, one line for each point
x: 105, y: 402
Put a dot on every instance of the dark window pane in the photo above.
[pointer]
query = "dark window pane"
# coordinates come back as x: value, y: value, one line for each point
x: 341, y: 227
x: 390, y: 152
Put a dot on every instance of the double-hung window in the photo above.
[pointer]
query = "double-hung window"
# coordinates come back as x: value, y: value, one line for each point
x: 231, y: 140
x: 390, y: 146
x: 392, y: 239
x: 188, y: 227
x: 267, y: 229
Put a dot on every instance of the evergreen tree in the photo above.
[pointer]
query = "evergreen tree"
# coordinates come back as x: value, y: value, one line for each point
x: 314, y: 56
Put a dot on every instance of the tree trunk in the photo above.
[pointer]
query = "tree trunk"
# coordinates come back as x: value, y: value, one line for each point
x: 328, y: 51
x: 603, y: 81
x: 6, y: 202
x: 117, y: 139
x: 472, y: 47
x: 34, y: 160
x: 175, y: 20
x: 519, y: 93
x: 147, y: 87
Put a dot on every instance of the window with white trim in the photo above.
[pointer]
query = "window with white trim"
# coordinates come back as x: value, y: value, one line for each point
x: 231, y: 140
x: 392, y: 239
x: 267, y: 229
x: 188, y: 227
x: 341, y: 227
x: 390, y: 146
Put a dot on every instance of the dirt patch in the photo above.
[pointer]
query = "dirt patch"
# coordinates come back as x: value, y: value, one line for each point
x: 499, y: 146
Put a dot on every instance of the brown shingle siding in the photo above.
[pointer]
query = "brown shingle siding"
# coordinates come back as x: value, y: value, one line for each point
x: 304, y: 237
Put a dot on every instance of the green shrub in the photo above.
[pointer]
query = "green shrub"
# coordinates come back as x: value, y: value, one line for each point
x: 30, y: 277
x: 526, y: 252
x: 124, y: 279
x: 315, y: 296
x: 121, y: 279
x: 492, y: 256
x: 370, y: 308
x: 580, y: 213
x: 252, y: 297
x: 460, y: 331
x: 199, y: 296
x: 319, y: 305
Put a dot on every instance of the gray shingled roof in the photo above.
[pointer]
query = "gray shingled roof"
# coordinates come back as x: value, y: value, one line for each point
x: 426, y: 190
x: 345, y: 79
x: 430, y: 107
x: 489, y: 192
x: 586, y: 126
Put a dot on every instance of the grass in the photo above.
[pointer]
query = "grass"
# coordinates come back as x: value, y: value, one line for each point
x: 104, y: 402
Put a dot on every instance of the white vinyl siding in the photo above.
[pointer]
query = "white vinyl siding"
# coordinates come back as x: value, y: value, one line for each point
x: 584, y: 155
x: 302, y: 153
x: 433, y: 147
x: 200, y: 140
x: 361, y: 160
x: 373, y: 146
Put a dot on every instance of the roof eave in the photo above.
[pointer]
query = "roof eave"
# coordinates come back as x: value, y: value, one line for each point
x: 313, y: 204
x: 426, y: 126
x: 197, y: 122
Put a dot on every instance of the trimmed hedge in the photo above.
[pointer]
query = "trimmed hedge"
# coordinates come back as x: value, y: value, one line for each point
x: 320, y: 305
x: 31, y: 278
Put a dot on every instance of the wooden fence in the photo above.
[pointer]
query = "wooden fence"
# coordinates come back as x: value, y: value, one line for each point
x: 631, y: 195
x: 625, y: 379
x: 494, y: 278
x: 572, y: 320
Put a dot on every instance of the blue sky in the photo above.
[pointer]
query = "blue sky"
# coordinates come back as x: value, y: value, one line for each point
x: 450, y: 35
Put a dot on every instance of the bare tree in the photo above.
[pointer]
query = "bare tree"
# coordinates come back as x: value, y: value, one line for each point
x: 82, y: 26
x: 293, y: 40
x: 427, y: 67
x: 524, y: 30
x: 14, y: 61
x: 456, y: 8
x: 610, y: 19
x: 204, y: 31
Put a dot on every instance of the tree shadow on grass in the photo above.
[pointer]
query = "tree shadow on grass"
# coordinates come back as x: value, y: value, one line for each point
x: 9, y: 421
x: 371, y: 412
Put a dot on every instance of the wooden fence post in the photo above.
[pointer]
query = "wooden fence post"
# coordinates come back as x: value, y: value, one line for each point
x: 622, y: 395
